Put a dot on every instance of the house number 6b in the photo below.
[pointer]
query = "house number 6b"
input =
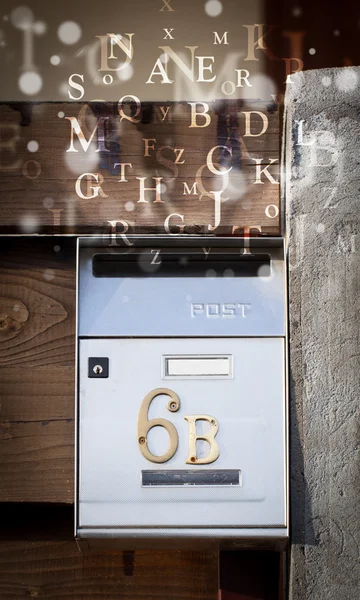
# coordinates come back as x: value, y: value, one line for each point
x: 145, y: 425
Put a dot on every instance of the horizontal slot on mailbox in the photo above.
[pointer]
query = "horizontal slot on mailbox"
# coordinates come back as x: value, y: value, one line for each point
x: 201, y: 366
x: 184, y: 264
x: 190, y: 477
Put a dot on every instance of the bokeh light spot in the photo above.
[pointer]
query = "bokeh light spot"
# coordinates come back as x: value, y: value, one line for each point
x: 22, y: 17
x: 33, y: 146
x: 39, y: 27
x: 213, y: 8
x: 55, y: 60
x: 30, y: 83
x: 69, y: 32
x: 126, y: 73
x: 346, y: 80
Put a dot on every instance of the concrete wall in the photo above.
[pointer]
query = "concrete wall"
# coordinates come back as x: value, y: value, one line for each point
x: 322, y: 193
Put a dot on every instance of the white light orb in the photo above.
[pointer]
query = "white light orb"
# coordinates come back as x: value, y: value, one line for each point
x: 33, y: 146
x: 346, y: 80
x: 55, y: 60
x: 213, y: 8
x: 29, y: 224
x: 30, y: 83
x: 22, y: 17
x: 39, y: 27
x: 126, y: 73
x: 49, y: 274
x: 69, y: 33
x: 48, y: 202
x: 83, y: 162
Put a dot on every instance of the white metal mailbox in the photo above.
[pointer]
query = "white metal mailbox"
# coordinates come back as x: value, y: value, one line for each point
x: 181, y: 392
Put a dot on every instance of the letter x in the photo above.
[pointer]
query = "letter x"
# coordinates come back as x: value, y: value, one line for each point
x: 167, y: 5
x: 168, y: 34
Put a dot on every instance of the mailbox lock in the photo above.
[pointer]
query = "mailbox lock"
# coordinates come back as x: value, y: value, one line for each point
x: 98, y: 367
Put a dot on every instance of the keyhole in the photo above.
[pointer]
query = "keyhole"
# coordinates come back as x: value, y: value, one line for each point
x: 98, y: 369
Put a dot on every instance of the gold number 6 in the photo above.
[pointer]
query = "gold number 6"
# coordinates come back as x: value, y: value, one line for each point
x: 144, y: 425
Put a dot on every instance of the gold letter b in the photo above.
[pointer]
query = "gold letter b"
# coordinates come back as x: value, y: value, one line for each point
x: 208, y: 437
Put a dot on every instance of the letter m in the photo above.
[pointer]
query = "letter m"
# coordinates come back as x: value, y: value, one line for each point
x: 193, y: 191
x: 75, y: 128
x: 219, y: 40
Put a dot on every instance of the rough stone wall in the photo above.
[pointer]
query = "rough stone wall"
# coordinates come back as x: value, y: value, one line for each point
x: 322, y: 194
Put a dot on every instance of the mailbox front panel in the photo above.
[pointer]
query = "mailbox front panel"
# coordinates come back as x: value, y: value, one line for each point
x: 237, y: 384
x: 197, y: 292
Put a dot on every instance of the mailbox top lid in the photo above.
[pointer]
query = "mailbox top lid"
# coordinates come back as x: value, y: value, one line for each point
x: 177, y: 241
x: 148, y: 286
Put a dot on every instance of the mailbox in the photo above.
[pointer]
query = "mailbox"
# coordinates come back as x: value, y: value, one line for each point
x: 181, y: 392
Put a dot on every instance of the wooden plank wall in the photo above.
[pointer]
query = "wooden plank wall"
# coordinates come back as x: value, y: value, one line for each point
x: 55, y: 570
x: 38, y: 173
x: 38, y: 555
x: 37, y: 358
x: 39, y: 559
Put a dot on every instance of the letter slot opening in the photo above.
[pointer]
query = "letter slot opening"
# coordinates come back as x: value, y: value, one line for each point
x: 151, y: 263
x: 210, y: 477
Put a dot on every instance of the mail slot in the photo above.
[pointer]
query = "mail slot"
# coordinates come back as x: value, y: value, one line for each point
x: 181, y: 392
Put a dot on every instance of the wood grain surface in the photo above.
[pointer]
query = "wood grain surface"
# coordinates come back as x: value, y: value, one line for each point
x: 38, y: 173
x: 56, y: 570
x: 37, y: 360
x: 37, y: 369
x: 38, y: 557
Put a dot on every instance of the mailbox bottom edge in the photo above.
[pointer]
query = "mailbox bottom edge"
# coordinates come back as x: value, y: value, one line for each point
x: 132, y: 539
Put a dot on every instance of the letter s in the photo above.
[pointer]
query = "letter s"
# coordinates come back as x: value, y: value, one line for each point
x: 76, y: 86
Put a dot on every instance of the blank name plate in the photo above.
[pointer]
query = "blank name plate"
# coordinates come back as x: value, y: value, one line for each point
x: 204, y: 366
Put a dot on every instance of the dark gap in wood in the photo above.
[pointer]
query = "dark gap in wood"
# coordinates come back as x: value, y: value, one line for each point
x: 36, y: 521
x: 249, y: 575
